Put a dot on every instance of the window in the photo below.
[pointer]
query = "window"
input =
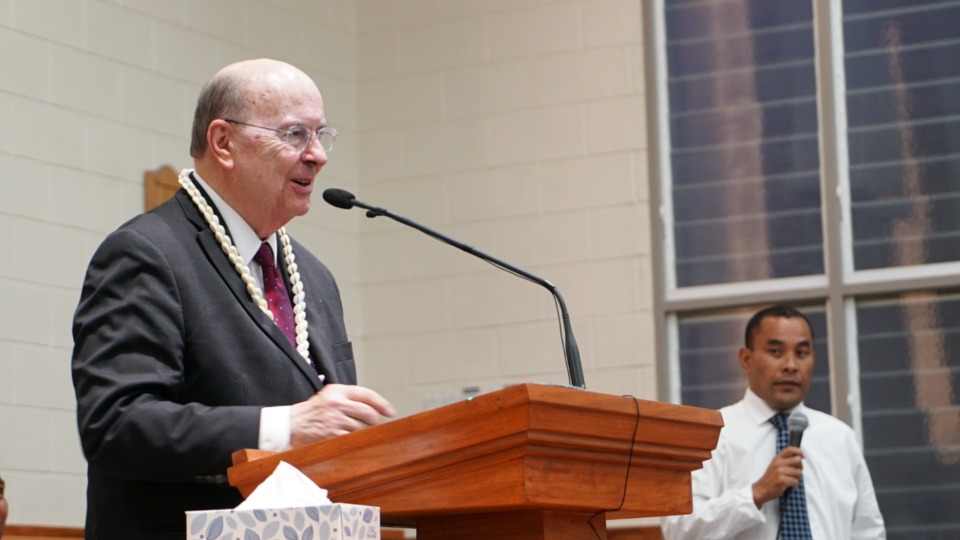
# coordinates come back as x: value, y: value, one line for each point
x: 909, y: 382
x: 903, y: 110
x: 743, y: 145
x: 808, y: 153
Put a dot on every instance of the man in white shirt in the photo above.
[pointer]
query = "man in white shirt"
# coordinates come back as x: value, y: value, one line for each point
x: 737, y: 493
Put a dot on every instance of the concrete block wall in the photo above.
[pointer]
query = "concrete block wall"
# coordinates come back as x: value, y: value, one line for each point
x: 92, y: 94
x: 517, y: 127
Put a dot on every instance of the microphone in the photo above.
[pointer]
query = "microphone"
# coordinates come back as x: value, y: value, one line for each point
x: 796, y: 424
x: 340, y: 198
x: 346, y: 200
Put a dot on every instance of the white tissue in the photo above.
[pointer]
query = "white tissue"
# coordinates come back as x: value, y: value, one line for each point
x: 287, y: 487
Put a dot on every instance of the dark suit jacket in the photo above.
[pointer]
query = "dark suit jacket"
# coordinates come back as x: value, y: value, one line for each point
x: 172, y: 363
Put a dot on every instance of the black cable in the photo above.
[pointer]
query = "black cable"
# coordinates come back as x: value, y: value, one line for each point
x: 626, y: 479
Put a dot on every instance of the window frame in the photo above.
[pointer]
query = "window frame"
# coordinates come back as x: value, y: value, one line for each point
x: 837, y: 289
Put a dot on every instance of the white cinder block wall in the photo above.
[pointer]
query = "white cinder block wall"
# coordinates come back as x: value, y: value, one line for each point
x: 92, y: 94
x: 515, y: 126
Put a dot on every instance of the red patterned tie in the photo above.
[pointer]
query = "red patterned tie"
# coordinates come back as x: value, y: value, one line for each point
x: 275, y: 292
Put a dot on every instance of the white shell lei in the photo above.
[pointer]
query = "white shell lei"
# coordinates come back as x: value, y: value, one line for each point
x: 299, y: 299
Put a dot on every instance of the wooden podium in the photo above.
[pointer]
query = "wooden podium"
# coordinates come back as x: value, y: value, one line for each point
x: 529, y: 461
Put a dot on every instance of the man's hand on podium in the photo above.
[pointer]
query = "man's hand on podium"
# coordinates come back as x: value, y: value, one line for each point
x: 338, y: 409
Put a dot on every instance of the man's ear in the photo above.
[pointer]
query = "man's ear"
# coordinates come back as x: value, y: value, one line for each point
x: 746, y: 357
x: 220, y: 143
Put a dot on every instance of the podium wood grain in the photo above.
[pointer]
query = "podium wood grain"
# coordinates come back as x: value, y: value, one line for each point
x: 527, y: 461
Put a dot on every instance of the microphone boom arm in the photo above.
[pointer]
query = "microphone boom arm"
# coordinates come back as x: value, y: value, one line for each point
x: 570, y: 349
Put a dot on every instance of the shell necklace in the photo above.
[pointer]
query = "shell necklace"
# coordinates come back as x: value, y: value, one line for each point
x: 299, y: 302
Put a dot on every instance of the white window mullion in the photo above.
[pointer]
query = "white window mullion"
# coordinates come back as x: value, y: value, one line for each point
x: 673, y: 354
x: 665, y: 171
x: 834, y: 148
x: 839, y: 138
x: 853, y: 368
x: 835, y: 190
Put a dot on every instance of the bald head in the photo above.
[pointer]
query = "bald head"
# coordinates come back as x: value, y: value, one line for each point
x: 238, y: 89
x: 240, y: 141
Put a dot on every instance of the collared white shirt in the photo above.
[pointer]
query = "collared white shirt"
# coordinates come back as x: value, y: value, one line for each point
x: 241, y: 233
x: 274, y: 421
x: 841, y: 501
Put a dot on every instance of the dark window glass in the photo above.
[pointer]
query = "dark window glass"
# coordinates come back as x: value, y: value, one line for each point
x: 744, y: 143
x: 909, y: 383
x: 903, y: 100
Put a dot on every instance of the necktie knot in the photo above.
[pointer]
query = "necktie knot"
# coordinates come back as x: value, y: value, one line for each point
x: 780, y: 420
x: 264, y: 256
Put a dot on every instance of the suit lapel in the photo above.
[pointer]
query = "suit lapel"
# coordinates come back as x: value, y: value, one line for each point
x: 217, y: 258
x: 320, y: 343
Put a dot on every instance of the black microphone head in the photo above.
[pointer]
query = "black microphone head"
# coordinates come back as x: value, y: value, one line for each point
x: 340, y: 198
x: 796, y: 424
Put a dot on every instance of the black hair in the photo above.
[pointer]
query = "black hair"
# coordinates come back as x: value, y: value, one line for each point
x: 777, y: 311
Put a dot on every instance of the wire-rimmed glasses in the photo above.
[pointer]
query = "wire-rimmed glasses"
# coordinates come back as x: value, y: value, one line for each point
x: 299, y: 137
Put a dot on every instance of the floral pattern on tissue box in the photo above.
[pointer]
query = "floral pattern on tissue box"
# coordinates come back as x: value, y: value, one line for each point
x: 327, y: 522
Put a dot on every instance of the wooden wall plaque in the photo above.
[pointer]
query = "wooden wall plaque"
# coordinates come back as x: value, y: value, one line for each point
x: 159, y: 186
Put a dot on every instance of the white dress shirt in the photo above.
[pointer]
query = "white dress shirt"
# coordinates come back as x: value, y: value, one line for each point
x: 840, y: 498
x: 274, y: 421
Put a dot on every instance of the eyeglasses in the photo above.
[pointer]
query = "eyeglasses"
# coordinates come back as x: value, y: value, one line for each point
x: 300, y: 137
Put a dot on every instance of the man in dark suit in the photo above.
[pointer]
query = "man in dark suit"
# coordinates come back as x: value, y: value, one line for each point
x: 184, y: 349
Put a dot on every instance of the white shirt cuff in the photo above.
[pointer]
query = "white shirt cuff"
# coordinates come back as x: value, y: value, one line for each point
x: 744, y: 499
x: 275, y: 428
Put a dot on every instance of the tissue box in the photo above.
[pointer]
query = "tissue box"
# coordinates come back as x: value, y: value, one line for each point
x: 327, y: 522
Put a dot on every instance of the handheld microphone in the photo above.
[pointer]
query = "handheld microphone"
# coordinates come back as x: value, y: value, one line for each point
x: 346, y: 200
x: 796, y: 424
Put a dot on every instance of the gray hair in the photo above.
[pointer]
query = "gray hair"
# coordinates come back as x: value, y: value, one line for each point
x: 221, y: 97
